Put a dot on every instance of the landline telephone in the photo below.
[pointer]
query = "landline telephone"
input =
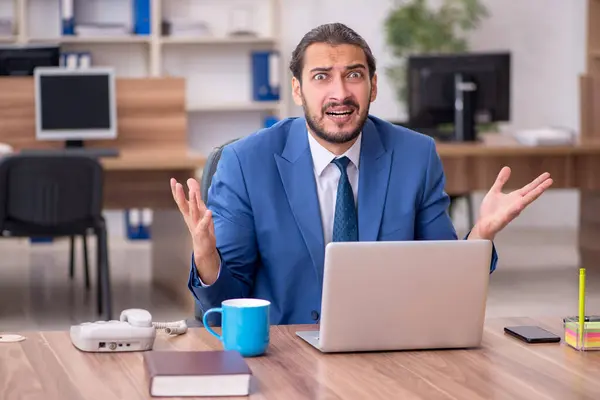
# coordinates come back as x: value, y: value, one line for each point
x: 134, y: 331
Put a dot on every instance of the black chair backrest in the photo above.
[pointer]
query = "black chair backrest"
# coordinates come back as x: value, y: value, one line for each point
x: 50, y: 190
x: 207, y: 174
x: 210, y: 168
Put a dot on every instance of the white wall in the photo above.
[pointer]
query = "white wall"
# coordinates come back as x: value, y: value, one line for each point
x: 547, y: 41
x: 299, y: 19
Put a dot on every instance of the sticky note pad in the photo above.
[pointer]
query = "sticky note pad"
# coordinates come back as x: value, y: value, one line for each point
x: 591, y: 335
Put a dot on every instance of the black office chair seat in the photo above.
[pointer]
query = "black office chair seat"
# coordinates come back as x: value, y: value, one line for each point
x: 19, y: 228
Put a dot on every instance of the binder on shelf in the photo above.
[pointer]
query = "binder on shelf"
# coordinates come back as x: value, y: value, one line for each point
x: 74, y: 59
x: 40, y: 239
x: 270, y: 121
x: 85, y: 60
x: 265, y: 76
x: 67, y: 13
x: 137, y: 223
x: 141, y: 17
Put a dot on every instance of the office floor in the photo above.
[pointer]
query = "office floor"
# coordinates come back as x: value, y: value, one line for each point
x: 537, y: 275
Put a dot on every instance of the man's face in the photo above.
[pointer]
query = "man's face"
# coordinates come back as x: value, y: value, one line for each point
x: 336, y: 91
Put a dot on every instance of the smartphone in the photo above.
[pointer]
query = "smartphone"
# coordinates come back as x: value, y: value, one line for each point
x: 532, y: 334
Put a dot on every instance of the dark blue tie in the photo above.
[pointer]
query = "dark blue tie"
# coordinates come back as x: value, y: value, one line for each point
x: 345, y: 222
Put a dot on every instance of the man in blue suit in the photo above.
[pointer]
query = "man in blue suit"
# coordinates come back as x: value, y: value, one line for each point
x: 280, y: 195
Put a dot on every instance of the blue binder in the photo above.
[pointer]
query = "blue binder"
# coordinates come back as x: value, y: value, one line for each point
x: 270, y: 121
x: 67, y: 13
x: 265, y: 77
x: 141, y: 17
x: 40, y: 239
x: 135, y: 228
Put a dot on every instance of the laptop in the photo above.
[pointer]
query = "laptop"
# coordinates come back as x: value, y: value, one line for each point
x: 409, y: 295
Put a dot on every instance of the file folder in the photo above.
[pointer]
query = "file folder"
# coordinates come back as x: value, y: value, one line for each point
x: 270, y: 121
x: 67, y: 13
x: 265, y: 76
x: 137, y: 224
x: 141, y: 17
x: 74, y: 59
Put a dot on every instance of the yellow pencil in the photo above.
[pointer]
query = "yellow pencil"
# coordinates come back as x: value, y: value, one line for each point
x: 581, y: 305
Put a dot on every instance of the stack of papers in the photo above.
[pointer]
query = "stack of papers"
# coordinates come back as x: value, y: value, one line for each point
x: 92, y: 30
x: 545, y: 137
x: 187, y: 28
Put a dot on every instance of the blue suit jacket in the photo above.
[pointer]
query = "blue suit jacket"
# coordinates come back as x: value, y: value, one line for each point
x: 267, y: 220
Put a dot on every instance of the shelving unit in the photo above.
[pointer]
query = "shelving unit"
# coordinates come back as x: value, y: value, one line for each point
x: 217, y: 67
x: 593, y: 37
x: 249, y: 106
x: 92, y: 40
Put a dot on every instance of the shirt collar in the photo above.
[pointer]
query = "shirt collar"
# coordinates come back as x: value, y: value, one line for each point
x: 323, y: 157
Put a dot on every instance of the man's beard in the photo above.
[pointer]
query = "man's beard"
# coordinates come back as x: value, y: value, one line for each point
x: 339, y: 137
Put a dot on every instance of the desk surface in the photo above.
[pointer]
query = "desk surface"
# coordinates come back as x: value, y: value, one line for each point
x: 47, y: 366
x: 178, y: 158
x: 506, y: 145
x: 154, y: 159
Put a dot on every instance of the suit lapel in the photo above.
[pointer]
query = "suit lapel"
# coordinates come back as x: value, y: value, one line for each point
x: 295, y: 167
x: 374, y: 174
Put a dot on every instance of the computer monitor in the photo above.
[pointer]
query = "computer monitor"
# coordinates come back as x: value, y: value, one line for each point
x: 462, y: 89
x: 75, y: 104
x: 17, y: 60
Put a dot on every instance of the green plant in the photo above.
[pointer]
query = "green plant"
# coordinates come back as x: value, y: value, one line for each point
x: 414, y: 27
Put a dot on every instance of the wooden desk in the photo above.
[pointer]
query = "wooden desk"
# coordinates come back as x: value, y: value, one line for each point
x: 47, y: 366
x: 475, y: 166
x: 140, y: 178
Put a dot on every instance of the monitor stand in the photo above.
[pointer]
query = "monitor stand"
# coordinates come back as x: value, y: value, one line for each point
x: 78, y: 147
x: 465, y: 91
x: 74, y: 144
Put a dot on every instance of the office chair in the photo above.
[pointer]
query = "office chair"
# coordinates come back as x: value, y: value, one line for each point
x: 86, y: 264
x: 56, y: 195
x: 467, y: 197
x: 210, y: 167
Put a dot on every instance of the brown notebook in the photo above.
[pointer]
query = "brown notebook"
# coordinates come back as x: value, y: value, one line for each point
x: 197, y: 373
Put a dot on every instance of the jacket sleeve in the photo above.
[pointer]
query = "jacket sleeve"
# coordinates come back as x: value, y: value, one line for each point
x: 433, y: 221
x: 235, y: 236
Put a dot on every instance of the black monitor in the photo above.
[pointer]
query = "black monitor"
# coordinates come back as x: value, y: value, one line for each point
x: 75, y: 104
x: 16, y: 60
x: 459, y: 89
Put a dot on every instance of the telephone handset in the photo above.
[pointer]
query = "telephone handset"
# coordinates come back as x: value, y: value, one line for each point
x: 134, y: 331
x: 136, y: 317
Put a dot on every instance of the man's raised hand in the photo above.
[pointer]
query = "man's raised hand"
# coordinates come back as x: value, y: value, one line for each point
x: 198, y: 219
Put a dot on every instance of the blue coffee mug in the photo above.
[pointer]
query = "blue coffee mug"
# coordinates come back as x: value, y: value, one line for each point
x: 244, y: 325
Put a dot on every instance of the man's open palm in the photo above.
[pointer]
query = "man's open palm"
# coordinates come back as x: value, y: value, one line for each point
x: 197, y: 217
x: 498, y: 208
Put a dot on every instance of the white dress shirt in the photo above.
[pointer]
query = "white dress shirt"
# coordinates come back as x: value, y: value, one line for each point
x: 327, y: 176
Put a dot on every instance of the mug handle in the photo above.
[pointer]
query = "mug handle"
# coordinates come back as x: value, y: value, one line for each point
x: 208, y: 328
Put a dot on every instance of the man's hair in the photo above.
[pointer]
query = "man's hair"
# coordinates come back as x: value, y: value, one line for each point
x: 333, y: 34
